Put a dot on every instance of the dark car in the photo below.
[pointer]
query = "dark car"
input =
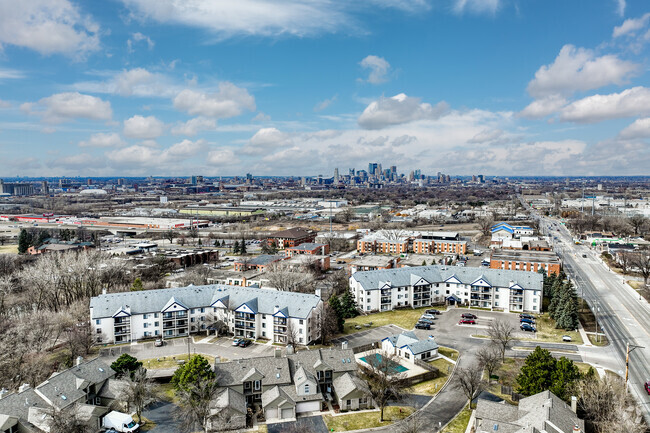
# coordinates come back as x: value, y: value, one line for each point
x: 432, y: 312
x: 525, y: 320
x: 467, y: 322
x: 468, y: 316
x: 647, y: 387
x: 422, y: 325
x: 425, y: 320
x: 245, y: 343
x: 527, y: 327
x: 526, y: 316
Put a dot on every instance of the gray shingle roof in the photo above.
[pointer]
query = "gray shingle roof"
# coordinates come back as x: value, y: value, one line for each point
x: 308, y: 246
x: 232, y: 399
x: 401, y: 277
x: 233, y: 373
x: 410, y: 340
x: 299, y: 305
x: 348, y: 383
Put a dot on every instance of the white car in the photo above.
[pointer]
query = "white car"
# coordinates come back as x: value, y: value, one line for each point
x: 566, y: 338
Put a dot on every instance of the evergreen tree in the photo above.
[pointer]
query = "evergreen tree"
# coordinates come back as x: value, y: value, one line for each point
x: 192, y: 372
x: 567, y: 310
x: 549, y: 280
x: 24, y: 241
x: 126, y: 364
x: 566, y: 373
x: 348, y: 305
x: 424, y: 262
x: 335, y: 303
x: 235, y: 247
x: 200, y: 242
x: 537, y: 372
x: 137, y: 285
x: 556, y: 293
x: 242, y: 248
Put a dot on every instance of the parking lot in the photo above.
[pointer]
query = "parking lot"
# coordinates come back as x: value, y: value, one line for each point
x: 369, y: 336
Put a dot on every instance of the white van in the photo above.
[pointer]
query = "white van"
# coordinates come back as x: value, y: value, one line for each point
x: 120, y: 421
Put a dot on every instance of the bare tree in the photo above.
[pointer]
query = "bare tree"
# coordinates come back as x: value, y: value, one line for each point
x: 608, y: 407
x: 383, y: 380
x: 283, y: 278
x: 624, y: 259
x: 194, y: 404
x: 139, y: 391
x: 414, y: 423
x: 327, y: 322
x: 485, y: 225
x: 489, y: 358
x: 639, y: 224
x: 66, y: 421
x: 641, y: 261
x: 293, y: 337
x: 470, y: 381
x: 502, y: 334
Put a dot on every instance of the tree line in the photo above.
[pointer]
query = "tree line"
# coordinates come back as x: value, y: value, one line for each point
x: 563, y: 305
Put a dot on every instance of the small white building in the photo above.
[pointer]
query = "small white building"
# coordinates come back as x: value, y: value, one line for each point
x: 409, y: 347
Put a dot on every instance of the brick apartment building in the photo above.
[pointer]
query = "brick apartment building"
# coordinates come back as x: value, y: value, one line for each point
x: 291, y: 237
x: 519, y: 260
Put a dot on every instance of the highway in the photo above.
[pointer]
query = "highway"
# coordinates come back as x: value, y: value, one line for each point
x: 621, y: 313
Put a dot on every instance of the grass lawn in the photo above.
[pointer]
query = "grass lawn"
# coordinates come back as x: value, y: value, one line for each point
x: 8, y: 249
x: 459, y: 424
x: 448, y: 352
x: 167, y: 392
x: 170, y: 361
x: 636, y: 285
x: 546, y: 331
x: 357, y: 421
x: 598, y: 341
x: 405, y: 318
x: 432, y: 387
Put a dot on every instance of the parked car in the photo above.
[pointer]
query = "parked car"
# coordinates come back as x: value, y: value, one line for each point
x: 432, y: 311
x: 468, y: 316
x: 429, y: 316
x: 566, y: 338
x: 527, y: 316
x: 236, y: 341
x: 422, y: 325
x: 527, y: 327
x: 159, y: 342
x: 245, y: 342
x: 529, y: 321
x: 467, y: 322
x: 647, y: 387
x: 426, y: 320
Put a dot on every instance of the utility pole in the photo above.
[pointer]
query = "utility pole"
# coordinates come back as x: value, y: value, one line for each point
x: 630, y: 348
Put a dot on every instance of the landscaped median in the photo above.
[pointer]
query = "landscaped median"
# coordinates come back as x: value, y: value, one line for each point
x: 364, y: 420
x: 404, y: 318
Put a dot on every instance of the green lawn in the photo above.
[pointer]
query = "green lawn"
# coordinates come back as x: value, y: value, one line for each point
x: 167, y: 392
x: 405, y: 318
x: 448, y: 352
x: 459, y: 424
x: 432, y: 387
x: 546, y: 331
x: 8, y: 249
x: 357, y: 421
x: 169, y: 361
x: 593, y: 339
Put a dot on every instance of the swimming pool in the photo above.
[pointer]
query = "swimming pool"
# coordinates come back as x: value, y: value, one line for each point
x: 395, y: 367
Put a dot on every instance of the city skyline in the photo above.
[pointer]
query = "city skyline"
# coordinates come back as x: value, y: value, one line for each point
x: 497, y: 87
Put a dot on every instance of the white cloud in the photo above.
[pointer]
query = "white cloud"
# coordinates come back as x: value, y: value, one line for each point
x: 101, y: 139
x: 222, y: 157
x: 184, y: 149
x: 132, y: 82
x: 595, y: 108
x: 10, y: 74
x: 476, y: 6
x: 146, y: 156
x: 246, y: 17
x: 579, y: 69
x: 631, y: 25
x: 266, y: 140
x: 324, y: 104
x: 261, y: 117
x: 405, y: 5
x: 397, y: 110
x: 79, y: 161
x: 48, y: 27
x: 134, y: 155
x: 138, y: 37
x: 378, y: 67
x: 486, y: 136
x: 143, y: 127
x: 544, y: 107
x: 229, y: 101
x: 5, y: 104
x: 620, y: 7
x: 639, y: 129
x: 194, y: 126
x: 62, y: 107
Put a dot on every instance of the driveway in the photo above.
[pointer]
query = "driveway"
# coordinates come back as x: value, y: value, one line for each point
x: 312, y: 424
x: 368, y: 336
x: 163, y: 414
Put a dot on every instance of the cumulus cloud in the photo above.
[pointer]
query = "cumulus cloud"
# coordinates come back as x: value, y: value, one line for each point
x: 620, y: 7
x: 378, y: 67
x: 631, y: 26
x: 266, y: 140
x: 544, y: 107
x: 138, y: 37
x: 639, y: 129
x: 62, y: 107
x: 579, y: 69
x: 194, y: 126
x: 596, y: 108
x: 261, y: 117
x: 143, y: 127
x: 324, y: 104
x: 184, y: 149
x: 476, y: 6
x: 79, y: 161
x: 222, y: 157
x: 101, y: 139
x: 229, y: 101
x: 132, y: 82
x: 486, y: 136
x: 145, y: 156
x: 48, y: 27
x: 397, y: 110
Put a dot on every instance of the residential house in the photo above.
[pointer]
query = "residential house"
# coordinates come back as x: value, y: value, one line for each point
x: 408, y: 346
x: 540, y: 413
x: 247, y: 311
x: 497, y: 289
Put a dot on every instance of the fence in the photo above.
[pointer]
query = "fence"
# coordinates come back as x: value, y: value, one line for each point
x: 365, y: 347
x: 507, y: 390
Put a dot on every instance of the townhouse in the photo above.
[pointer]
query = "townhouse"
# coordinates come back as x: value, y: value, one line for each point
x: 282, y: 387
x: 166, y: 313
x: 521, y: 260
x: 497, y: 289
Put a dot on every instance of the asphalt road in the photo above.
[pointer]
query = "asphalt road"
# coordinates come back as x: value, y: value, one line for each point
x: 621, y: 314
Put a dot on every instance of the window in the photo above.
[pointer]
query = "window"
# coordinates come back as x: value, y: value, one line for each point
x: 300, y: 340
x: 247, y: 385
x: 301, y: 321
x: 156, y: 332
x: 263, y: 325
x: 534, y: 300
x: 192, y: 319
x: 192, y: 311
x: 447, y: 291
x: 258, y: 385
x: 328, y: 374
x: 155, y: 315
x: 534, y: 307
x: 145, y: 316
x: 306, y: 388
x: 300, y: 331
x: 368, y: 308
x: 363, y: 400
x: 98, y: 321
x: 263, y: 333
x: 348, y: 402
x: 99, y: 330
x: 156, y: 324
x: 407, y: 355
x: 146, y: 325
x: 447, y: 284
x: 202, y: 310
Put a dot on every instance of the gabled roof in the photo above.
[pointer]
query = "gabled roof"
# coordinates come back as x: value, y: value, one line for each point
x: 409, y: 340
x: 123, y: 311
x: 174, y: 304
x: 418, y: 280
x: 292, y: 233
x: 276, y: 394
x: 481, y: 281
x: 253, y: 374
x: 251, y: 305
x: 348, y: 383
x: 231, y: 399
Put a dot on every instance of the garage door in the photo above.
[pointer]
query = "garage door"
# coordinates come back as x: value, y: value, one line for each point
x: 271, y: 413
x: 287, y: 413
x: 308, y: 406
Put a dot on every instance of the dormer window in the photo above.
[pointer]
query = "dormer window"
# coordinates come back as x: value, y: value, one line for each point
x: 307, y: 388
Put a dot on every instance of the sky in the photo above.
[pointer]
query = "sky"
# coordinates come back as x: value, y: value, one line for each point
x: 301, y: 87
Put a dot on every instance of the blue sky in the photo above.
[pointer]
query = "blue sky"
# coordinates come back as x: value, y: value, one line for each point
x: 291, y: 87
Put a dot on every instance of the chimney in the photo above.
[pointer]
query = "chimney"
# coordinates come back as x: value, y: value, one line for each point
x: 23, y: 387
x: 574, y: 403
x: 3, y: 392
x: 576, y: 429
x: 290, y: 349
x: 276, y: 309
x: 104, y: 291
x: 79, y: 360
x: 278, y: 352
x: 344, y: 345
x: 318, y: 292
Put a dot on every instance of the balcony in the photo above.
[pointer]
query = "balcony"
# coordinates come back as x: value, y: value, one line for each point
x: 279, y: 330
x: 180, y: 323
x: 280, y: 321
x: 385, y: 300
x: 245, y: 316
x: 123, y: 330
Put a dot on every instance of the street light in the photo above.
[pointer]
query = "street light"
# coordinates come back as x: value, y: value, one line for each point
x: 630, y: 348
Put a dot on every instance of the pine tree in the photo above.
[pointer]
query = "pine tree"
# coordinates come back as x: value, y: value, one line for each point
x: 556, y: 293
x: 567, y: 311
x: 24, y: 241
x: 242, y: 248
x: 537, y: 372
x: 335, y: 303
x: 566, y: 373
x: 137, y: 285
x: 424, y: 262
x: 348, y: 305
x: 235, y: 247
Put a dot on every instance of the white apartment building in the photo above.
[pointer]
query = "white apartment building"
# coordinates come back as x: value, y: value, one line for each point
x: 497, y: 289
x: 166, y: 313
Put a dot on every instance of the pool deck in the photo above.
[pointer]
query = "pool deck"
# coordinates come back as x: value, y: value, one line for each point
x: 412, y: 369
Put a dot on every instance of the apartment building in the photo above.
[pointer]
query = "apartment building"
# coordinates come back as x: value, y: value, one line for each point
x: 398, y: 242
x: 309, y: 248
x: 248, y: 312
x: 291, y: 237
x: 259, y: 263
x: 520, y: 260
x: 374, y: 244
x: 284, y: 386
x: 431, y: 246
x: 497, y: 289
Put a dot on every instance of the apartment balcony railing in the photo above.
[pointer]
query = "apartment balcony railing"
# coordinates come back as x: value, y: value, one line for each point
x: 385, y: 300
x: 280, y: 322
